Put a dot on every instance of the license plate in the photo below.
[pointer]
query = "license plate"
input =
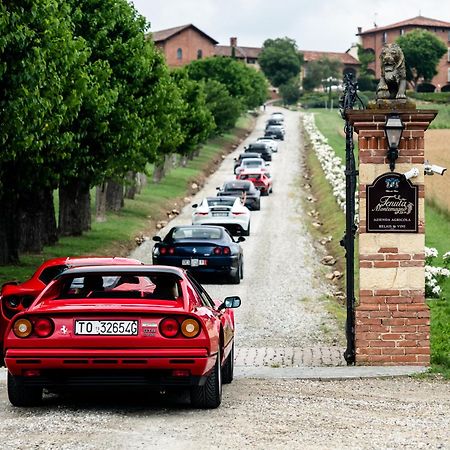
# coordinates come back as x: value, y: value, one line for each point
x: 220, y: 214
x: 107, y: 327
x: 194, y: 262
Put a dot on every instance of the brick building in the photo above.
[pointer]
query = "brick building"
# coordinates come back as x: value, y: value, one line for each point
x: 184, y: 44
x: 249, y: 55
x: 374, y: 39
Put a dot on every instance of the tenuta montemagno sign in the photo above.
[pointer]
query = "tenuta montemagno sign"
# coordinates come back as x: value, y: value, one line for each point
x: 392, y: 205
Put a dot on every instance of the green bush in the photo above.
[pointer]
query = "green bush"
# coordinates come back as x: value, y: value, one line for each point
x: 318, y: 99
x: 433, y: 97
x: 367, y: 84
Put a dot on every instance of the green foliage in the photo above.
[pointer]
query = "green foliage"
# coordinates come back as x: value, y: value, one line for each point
x: 321, y: 70
x: 434, y: 97
x: 365, y: 57
x: 318, y: 99
x: 290, y: 92
x: 280, y: 60
x: 423, y: 51
x: 196, y: 121
x: 242, y: 82
x: 224, y: 108
x: 442, y: 120
x: 367, y: 83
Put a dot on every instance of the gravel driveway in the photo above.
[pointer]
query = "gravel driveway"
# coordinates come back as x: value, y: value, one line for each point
x: 281, y: 323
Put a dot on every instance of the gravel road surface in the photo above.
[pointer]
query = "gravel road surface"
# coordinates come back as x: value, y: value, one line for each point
x: 282, y: 325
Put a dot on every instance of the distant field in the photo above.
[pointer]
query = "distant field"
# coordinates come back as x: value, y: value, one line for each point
x: 442, y: 120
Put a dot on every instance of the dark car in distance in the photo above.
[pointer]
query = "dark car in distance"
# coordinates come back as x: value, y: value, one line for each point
x: 243, y: 189
x: 259, y: 147
x: 201, y: 250
x: 275, y: 131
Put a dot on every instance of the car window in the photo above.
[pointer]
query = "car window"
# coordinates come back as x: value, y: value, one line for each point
x: 201, y: 232
x: 221, y: 202
x: 205, y: 298
x: 49, y: 273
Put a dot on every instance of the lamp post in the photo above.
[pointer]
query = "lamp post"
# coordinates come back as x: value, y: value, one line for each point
x: 393, y: 129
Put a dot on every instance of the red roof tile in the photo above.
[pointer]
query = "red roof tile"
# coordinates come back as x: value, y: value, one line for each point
x: 418, y: 21
x: 163, y: 35
x: 344, y: 58
x: 243, y: 52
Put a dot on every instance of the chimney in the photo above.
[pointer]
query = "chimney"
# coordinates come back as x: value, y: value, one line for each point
x: 233, y: 41
x: 359, y: 30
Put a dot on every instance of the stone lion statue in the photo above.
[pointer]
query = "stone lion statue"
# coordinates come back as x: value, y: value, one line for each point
x: 392, y: 83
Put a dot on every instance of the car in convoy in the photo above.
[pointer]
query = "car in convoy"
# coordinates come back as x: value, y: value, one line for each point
x: 253, y: 163
x: 122, y: 326
x: 259, y: 179
x: 278, y: 116
x: 277, y: 122
x: 242, y: 156
x: 16, y: 297
x: 259, y: 147
x: 276, y: 131
x: 270, y: 141
x: 244, y: 189
x: 229, y: 212
x: 203, y: 250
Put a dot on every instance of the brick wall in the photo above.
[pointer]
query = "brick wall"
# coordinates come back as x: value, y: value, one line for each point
x: 392, y: 318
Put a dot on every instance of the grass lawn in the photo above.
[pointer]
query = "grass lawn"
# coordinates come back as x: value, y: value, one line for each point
x: 116, y: 235
x: 442, y: 120
x: 437, y: 236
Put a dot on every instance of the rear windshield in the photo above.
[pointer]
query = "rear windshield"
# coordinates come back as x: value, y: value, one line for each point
x: 258, y: 147
x: 221, y: 202
x: 162, y: 286
x: 237, y: 187
x: 197, y: 233
x: 253, y: 176
x: 252, y: 163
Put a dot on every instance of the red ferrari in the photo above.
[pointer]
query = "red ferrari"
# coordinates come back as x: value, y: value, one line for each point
x: 16, y: 297
x: 140, y: 326
x: 260, y: 179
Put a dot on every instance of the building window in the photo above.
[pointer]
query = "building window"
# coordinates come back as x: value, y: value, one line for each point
x: 199, y: 53
x: 402, y: 32
x: 180, y: 54
x: 384, y: 37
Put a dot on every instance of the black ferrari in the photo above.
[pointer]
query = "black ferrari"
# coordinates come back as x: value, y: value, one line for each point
x: 202, y: 250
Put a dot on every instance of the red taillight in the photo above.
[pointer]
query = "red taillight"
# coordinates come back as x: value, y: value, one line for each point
x: 226, y: 251
x: 171, y: 251
x: 163, y: 250
x: 169, y: 328
x: 238, y: 213
x: 43, y: 327
x: 201, y: 213
x: 217, y: 251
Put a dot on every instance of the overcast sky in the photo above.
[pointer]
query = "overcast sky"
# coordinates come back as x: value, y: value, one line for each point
x: 326, y: 25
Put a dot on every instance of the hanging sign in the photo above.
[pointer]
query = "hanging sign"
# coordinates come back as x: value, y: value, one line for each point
x: 392, y: 205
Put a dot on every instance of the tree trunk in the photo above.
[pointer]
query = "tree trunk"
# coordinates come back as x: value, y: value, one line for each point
x: 37, y: 222
x: 184, y: 160
x: 114, y: 196
x: 131, y: 185
x: 141, y: 181
x: 158, y: 172
x: 74, y: 208
x: 100, y: 203
x: 9, y: 239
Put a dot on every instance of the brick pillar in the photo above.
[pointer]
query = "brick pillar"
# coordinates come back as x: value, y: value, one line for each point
x: 392, y: 318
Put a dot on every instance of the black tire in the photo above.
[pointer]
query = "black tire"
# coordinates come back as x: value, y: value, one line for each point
x: 209, y: 395
x: 236, y: 278
x: 241, y: 271
x: 20, y: 395
x: 228, y: 368
x: 258, y: 205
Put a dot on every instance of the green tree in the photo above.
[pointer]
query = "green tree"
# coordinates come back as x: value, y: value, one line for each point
x: 43, y: 83
x: 422, y: 51
x: 280, y: 60
x: 224, y: 108
x: 290, y: 92
x: 365, y: 57
x: 241, y: 81
x: 321, y: 70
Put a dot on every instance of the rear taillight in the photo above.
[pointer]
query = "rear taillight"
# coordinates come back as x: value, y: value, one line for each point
x: 22, y: 328
x: 190, y: 328
x: 169, y: 328
x: 226, y: 251
x: 238, y: 213
x: 199, y: 213
x: 217, y: 251
x: 43, y: 327
x: 171, y: 250
x: 12, y: 302
x: 163, y: 250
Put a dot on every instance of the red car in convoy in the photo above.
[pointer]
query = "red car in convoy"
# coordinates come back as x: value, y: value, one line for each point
x: 141, y: 326
x: 16, y: 297
x: 259, y: 178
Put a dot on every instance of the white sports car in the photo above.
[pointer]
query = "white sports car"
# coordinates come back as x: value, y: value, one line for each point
x: 228, y: 212
x: 270, y: 142
x: 253, y: 163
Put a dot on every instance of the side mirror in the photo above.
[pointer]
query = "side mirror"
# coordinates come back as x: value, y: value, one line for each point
x: 195, y: 205
x: 241, y: 239
x: 157, y: 238
x: 230, y: 302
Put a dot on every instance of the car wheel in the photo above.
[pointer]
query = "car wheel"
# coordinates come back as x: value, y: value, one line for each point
x: 236, y: 278
x: 247, y: 231
x: 258, y: 205
x: 209, y: 395
x: 241, y: 271
x: 228, y: 368
x: 20, y: 395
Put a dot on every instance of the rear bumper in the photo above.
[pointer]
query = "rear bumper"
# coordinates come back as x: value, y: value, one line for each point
x: 221, y: 265
x: 149, y: 367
